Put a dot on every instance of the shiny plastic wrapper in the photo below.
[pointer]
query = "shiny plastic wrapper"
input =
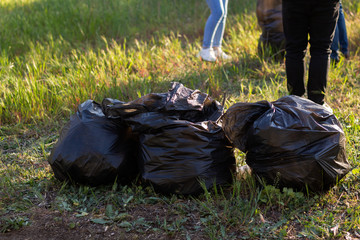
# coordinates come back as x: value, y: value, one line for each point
x: 292, y: 142
x: 181, y: 141
x: 94, y: 150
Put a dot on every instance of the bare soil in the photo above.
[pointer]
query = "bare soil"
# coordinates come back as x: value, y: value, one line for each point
x: 46, y: 224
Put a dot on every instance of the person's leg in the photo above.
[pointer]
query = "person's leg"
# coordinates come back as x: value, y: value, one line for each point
x: 335, y: 46
x: 322, y: 27
x: 295, y: 23
x: 220, y: 30
x: 220, y: 33
x: 343, y: 38
x: 213, y: 22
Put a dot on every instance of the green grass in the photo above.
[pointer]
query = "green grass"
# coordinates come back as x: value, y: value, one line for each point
x: 56, y: 54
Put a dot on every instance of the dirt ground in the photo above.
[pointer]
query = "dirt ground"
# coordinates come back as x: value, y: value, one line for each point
x: 46, y: 224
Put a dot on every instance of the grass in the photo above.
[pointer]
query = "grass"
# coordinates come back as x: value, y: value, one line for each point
x: 57, y: 54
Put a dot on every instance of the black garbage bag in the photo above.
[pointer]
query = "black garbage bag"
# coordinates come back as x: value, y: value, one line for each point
x: 181, y: 141
x: 93, y: 149
x: 269, y: 16
x: 292, y: 142
x: 179, y: 102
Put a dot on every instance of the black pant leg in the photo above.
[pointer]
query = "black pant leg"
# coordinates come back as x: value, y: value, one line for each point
x: 296, y: 27
x: 322, y: 26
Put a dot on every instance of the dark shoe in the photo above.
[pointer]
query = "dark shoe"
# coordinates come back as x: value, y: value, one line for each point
x: 316, y: 97
x: 347, y: 55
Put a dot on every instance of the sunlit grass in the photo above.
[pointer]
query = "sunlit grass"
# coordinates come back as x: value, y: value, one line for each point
x: 57, y: 54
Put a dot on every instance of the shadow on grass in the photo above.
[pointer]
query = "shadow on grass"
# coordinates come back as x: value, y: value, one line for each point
x: 87, y: 26
x: 83, y: 23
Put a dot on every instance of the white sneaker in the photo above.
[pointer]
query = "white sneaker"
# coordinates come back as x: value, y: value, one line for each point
x: 220, y: 54
x: 207, y: 54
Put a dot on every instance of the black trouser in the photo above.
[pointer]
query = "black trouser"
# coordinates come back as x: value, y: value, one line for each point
x: 317, y: 19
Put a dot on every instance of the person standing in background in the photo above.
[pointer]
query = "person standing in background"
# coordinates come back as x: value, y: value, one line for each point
x: 309, y: 21
x: 272, y: 39
x: 340, y: 37
x: 214, y: 32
